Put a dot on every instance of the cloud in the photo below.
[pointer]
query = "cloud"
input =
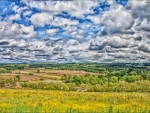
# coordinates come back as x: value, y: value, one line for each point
x: 144, y: 48
x: 8, y: 29
x: 144, y: 26
x: 140, y: 8
x: 41, y: 19
x: 97, y: 44
x: 18, y: 9
x: 63, y: 22
x: 117, y: 42
x: 26, y: 13
x: 13, y: 30
x: 136, y: 36
x: 14, y: 17
x: 74, y: 8
x: 52, y: 32
x: 116, y: 20
x: 61, y: 50
x: 3, y: 42
x: 27, y: 31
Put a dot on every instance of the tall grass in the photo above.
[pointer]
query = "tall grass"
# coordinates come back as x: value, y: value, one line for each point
x: 34, y: 101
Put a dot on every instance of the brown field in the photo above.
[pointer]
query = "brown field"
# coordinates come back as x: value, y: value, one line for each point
x: 54, y: 72
x: 44, y: 74
x: 68, y: 72
x: 25, y: 77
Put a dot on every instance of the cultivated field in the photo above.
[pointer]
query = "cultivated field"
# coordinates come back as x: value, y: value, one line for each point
x: 44, y: 74
x: 33, y: 101
x: 54, y: 72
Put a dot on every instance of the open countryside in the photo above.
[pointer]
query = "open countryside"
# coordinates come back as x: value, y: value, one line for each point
x: 72, y: 88
x: 74, y: 56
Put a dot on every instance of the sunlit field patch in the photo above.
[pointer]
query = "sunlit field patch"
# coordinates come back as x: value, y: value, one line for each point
x: 72, y: 102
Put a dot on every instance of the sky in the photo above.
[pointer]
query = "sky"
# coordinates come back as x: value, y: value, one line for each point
x: 101, y: 31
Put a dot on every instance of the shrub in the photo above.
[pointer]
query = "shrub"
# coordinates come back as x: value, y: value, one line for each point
x: 18, y: 77
x: 30, y: 73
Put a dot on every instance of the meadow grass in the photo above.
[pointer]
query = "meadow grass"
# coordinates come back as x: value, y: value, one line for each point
x: 40, y: 101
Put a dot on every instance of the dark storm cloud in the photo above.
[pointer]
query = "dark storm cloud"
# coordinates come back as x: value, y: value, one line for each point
x: 144, y: 48
x: 6, y: 53
x: 58, y: 48
x: 42, y: 55
x: 97, y: 45
x: 4, y: 43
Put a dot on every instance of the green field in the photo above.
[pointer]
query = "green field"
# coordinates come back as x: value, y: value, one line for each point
x: 39, y: 101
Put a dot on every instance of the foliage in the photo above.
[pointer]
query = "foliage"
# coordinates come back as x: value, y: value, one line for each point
x: 18, y: 77
x: 110, y: 77
x: 30, y: 73
x: 7, y: 83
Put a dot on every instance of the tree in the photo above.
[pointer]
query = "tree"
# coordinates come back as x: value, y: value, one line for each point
x: 77, y: 79
x: 129, y: 79
x: 38, y: 71
x: 3, y: 70
x: 64, y: 77
x: 18, y: 77
x: 114, y: 79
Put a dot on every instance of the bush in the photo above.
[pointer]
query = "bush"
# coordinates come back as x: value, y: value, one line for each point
x: 3, y: 70
x: 30, y: 73
x: 72, y: 86
x: 57, y: 86
x: 24, y: 84
x: 18, y: 77
x: 38, y: 71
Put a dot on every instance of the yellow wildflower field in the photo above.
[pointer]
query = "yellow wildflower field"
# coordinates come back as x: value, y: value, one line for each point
x: 40, y: 101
